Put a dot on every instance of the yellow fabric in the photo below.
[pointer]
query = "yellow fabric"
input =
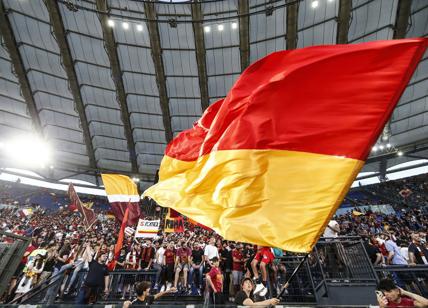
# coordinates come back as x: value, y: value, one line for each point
x: 356, y: 213
x: 117, y: 184
x: 284, y: 198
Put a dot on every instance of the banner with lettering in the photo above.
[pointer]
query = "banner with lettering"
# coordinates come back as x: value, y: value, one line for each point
x: 173, y: 224
x: 147, y: 228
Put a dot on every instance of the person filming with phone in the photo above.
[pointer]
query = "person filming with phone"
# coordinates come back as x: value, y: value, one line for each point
x: 389, y: 295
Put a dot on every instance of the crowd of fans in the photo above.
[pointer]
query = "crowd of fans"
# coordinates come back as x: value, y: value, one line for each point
x: 192, y: 262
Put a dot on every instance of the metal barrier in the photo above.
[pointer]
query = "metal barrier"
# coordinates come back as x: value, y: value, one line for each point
x: 344, y: 259
x: 411, y: 278
x: 301, y: 288
x: 12, y: 249
x: 49, y: 290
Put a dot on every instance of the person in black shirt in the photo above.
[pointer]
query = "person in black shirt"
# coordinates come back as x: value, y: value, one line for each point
x: 226, y: 267
x: 144, y: 298
x: 245, y: 297
x: 373, y: 252
x: 196, y: 266
x: 418, y: 254
x: 96, y: 279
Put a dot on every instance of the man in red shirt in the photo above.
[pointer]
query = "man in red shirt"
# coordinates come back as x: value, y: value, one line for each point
x: 182, y: 264
x: 169, y: 260
x: 264, y: 256
x: 237, y: 266
x: 215, y: 281
x: 393, y: 296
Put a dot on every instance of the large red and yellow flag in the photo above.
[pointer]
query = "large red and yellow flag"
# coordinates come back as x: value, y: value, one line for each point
x: 271, y: 162
x: 122, y: 193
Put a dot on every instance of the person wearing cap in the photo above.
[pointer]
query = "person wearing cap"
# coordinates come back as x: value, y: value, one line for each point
x: 245, y: 297
x: 215, y: 281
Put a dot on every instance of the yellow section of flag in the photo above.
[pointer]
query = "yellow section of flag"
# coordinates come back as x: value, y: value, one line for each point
x: 267, y: 197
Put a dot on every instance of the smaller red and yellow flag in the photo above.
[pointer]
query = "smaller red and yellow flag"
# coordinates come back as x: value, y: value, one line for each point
x: 122, y: 193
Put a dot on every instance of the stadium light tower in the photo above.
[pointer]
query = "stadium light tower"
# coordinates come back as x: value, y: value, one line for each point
x: 31, y: 151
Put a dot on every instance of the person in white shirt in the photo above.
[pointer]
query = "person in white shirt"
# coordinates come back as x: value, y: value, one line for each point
x: 160, y: 252
x: 332, y: 230
x: 210, y: 250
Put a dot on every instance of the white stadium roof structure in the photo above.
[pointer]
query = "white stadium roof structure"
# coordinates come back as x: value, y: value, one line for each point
x: 108, y: 83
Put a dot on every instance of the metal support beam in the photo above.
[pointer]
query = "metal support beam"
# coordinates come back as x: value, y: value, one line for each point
x: 244, y: 35
x: 402, y: 18
x: 150, y: 11
x: 110, y: 46
x: 198, y: 32
x: 292, y: 15
x: 67, y: 61
x: 18, y: 67
x: 383, y: 165
x: 343, y: 21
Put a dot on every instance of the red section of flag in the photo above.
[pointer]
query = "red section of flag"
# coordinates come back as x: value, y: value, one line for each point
x: 195, y: 223
x: 119, y: 208
x: 121, y: 235
x: 173, y: 213
x: 88, y: 215
x: 307, y: 89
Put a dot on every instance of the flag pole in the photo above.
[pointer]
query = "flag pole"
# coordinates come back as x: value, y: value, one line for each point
x: 292, y: 275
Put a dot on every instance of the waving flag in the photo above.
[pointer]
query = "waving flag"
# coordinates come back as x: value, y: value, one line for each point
x: 88, y: 214
x: 271, y: 162
x: 122, y: 193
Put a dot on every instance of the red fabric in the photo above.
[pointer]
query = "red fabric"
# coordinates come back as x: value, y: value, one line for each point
x: 121, y: 235
x: 237, y: 266
x: 216, y: 278
x: 405, y: 302
x: 118, y: 210
x: 169, y: 256
x: 332, y: 100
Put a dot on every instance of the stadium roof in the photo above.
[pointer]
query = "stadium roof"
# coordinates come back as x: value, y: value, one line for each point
x: 108, y: 83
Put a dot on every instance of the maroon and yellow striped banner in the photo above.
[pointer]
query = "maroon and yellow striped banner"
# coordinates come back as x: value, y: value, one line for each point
x: 271, y: 162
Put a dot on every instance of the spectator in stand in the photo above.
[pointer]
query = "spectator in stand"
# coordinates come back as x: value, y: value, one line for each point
x: 237, y: 267
x: 158, y: 263
x: 143, y: 295
x: 131, y: 263
x: 372, y: 250
x: 96, y: 280
x: 393, y: 296
x: 169, y: 263
x: 210, y: 252
x: 215, y: 281
x: 248, y: 254
x: 182, y: 264
x: 147, y: 255
x: 332, y: 230
x: 394, y: 254
x: 418, y: 253
x: 226, y: 268
x: 32, y: 272
x: 196, y: 267
x: 264, y: 257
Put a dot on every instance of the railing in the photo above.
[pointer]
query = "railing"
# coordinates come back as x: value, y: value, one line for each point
x: 120, y: 281
x: 411, y: 278
x: 12, y: 248
x: 344, y: 260
x: 43, y: 292
x: 301, y: 288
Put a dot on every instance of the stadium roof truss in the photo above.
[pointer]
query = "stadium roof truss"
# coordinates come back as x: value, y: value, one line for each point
x: 110, y: 82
